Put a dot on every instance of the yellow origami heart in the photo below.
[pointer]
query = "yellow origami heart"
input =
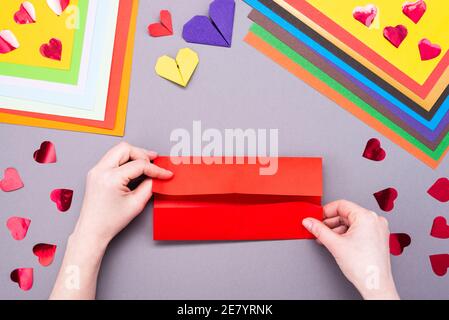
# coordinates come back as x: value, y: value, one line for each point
x: 180, y: 70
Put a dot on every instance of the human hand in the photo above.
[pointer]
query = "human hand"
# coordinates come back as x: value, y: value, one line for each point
x: 359, y: 241
x: 109, y: 205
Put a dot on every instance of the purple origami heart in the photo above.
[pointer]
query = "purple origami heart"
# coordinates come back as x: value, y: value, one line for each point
x: 216, y: 30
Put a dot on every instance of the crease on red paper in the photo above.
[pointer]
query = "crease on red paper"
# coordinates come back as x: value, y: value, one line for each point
x: 162, y: 28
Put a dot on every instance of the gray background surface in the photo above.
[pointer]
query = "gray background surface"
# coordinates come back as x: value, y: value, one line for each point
x: 232, y: 88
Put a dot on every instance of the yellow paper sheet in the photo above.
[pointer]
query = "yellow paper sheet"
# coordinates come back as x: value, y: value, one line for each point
x: 426, y: 103
x: 31, y: 36
x: 119, y: 128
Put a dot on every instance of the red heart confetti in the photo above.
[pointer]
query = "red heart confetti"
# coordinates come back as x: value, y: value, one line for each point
x: 162, y: 28
x: 11, y: 181
x: 440, y: 229
x: 18, y: 227
x: 385, y: 199
x: 440, y: 263
x: 395, y: 34
x: 52, y: 49
x: 45, y: 253
x: 373, y: 150
x: 23, y: 277
x: 8, y: 41
x: 26, y: 13
x: 366, y: 14
x: 58, y: 6
x: 440, y: 190
x: 46, y: 153
x: 414, y: 10
x: 398, y: 242
x: 62, y: 198
x: 428, y: 50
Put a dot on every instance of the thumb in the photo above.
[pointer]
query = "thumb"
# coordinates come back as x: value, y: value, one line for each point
x: 322, y: 232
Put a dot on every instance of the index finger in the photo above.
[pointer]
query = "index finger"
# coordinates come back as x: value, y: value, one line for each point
x: 124, y: 152
x: 344, y: 209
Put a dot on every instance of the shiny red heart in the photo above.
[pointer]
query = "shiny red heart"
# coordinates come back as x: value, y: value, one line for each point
x: 385, y: 199
x: 11, y: 181
x: 414, y: 10
x: 26, y: 14
x: 373, y: 151
x: 46, y: 153
x: 18, y: 227
x: 398, y: 242
x: 162, y: 28
x: 440, y: 263
x: 8, y: 41
x: 58, y: 6
x: 45, y: 253
x: 62, y: 198
x: 52, y: 49
x: 440, y: 229
x: 428, y: 50
x: 23, y: 277
x: 440, y: 190
x: 395, y: 34
x: 366, y: 14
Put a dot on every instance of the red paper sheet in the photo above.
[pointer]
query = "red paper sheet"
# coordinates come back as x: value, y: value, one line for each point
x: 234, y: 202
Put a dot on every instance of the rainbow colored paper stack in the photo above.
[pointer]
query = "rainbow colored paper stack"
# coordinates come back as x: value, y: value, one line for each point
x: 386, y: 62
x: 66, y: 64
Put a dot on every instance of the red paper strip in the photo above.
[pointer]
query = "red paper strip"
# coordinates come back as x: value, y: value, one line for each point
x: 232, y: 221
x: 206, y: 200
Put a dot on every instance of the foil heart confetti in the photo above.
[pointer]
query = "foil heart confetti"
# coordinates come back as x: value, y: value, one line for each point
x: 45, y: 253
x: 395, y: 35
x: 215, y: 30
x: 162, y: 28
x: 46, y: 153
x: 440, y: 263
x: 366, y: 14
x: 26, y: 13
x: 23, y: 277
x: 414, y: 10
x: 62, y: 198
x: 386, y: 198
x: 440, y: 228
x: 8, y: 41
x: 11, y: 181
x: 58, y: 6
x: 18, y: 227
x: 52, y: 50
x: 398, y: 242
x: 374, y: 151
x: 440, y: 190
x: 428, y: 50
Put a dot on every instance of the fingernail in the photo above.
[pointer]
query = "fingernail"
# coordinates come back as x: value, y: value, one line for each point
x: 307, y: 223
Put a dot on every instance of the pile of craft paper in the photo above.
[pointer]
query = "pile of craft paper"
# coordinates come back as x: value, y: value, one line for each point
x: 66, y: 64
x: 385, y: 61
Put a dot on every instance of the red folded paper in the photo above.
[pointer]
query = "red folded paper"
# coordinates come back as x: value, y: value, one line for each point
x: 235, y: 202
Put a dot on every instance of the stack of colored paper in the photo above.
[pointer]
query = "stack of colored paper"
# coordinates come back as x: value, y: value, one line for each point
x: 66, y: 64
x: 386, y: 62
